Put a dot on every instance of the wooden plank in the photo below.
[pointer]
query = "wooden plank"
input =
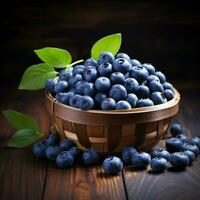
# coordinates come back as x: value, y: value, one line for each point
x: 80, y: 183
x: 22, y: 176
x: 169, y: 185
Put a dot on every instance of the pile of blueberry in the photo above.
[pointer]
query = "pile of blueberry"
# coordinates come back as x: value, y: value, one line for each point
x: 180, y: 152
x: 111, y: 82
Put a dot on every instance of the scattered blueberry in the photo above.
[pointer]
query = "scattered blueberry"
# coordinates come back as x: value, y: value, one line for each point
x: 179, y: 160
x: 196, y: 140
x: 39, y: 149
x: 161, y: 153
x: 65, y: 144
x: 190, y: 155
x: 127, y: 154
x: 176, y: 129
x: 158, y: 164
x: 64, y: 159
x: 90, y: 157
x: 53, y: 139
x: 182, y: 137
x: 74, y: 151
x: 52, y: 152
x: 174, y: 144
x: 112, y: 165
x: 192, y: 147
x: 140, y: 160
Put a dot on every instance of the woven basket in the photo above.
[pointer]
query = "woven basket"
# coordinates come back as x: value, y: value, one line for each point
x: 110, y: 131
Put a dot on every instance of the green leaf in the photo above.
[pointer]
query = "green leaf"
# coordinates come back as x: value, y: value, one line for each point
x: 19, y: 120
x: 109, y: 43
x: 35, y: 76
x: 23, y: 138
x: 54, y: 57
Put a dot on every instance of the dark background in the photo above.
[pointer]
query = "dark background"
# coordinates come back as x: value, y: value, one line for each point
x: 166, y: 34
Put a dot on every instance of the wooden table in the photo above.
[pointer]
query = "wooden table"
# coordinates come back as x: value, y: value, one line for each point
x: 24, y: 177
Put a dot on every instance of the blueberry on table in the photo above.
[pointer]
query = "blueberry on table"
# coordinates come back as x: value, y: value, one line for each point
x: 108, y: 104
x: 99, y: 97
x: 192, y: 147
x: 169, y: 94
x: 132, y: 99
x: 50, y: 85
x: 167, y: 85
x: 123, y: 55
x: 52, y: 152
x: 179, y: 160
x: 196, y: 140
x: 89, y: 89
x: 150, y: 68
x: 106, y: 57
x: 121, y: 65
x: 74, y: 151
x: 161, y: 76
x: 74, y: 100
x: 64, y: 159
x: 144, y: 103
x: 102, y: 84
x: 105, y: 69
x: 140, y: 160
x: 143, y: 92
x: 39, y: 149
x: 161, y: 153
x: 65, y: 75
x: 90, y: 157
x: 90, y: 74
x: 86, y: 103
x: 118, y: 92
x: 158, y: 164
x: 53, y: 139
x: 152, y: 78
x: 182, y: 137
x: 190, y: 155
x: 78, y: 69
x: 127, y: 154
x: 156, y: 86
x: 117, y: 78
x: 174, y: 144
x: 112, y: 165
x: 66, y: 144
x: 121, y: 105
x: 131, y: 85
x: 61, y: 86
x: 158, y: 98
x: 176, y: 129
x: 90, y: 62
x: 139, y: 73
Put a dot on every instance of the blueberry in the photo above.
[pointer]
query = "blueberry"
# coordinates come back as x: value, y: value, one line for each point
x: 155, y: 86
x: 140, y: 160
x: 90, y: 74
x: 108, y: 104
x: 123, y: 55
x: 127, y: 154
x: 192, y: 147
x: 102, y: 84
x: 65, y: 144
x: 89, y: 89
x: 169, y: 94
x: 122, y: 65
x: 161, y: 76
x: 118, y: 92
x: 152, y: 78
x: 74, y: 151
x: 117, y: 78
x: 86, y: 103
x: 174, y: 144
x: 64, y: 97
x: 99, y: 97
x: 190, y: 155
x: 144, y: 103
x: 182, y: 137
x: 127, y: 75
x: 150, y: 68
x: 196, y: 140
x: 74, y: 100
x: 53, y: 139
x: 135, y: 62
x: 161, y: 153
x: 158, y: 98
x: 112, y: 165
x: 39, y: 149
x: 158, y: 164
x: 139, y: 73
x: 90, y: 62
x: 52, y: 152
x: 176, y: 129
x: 132, y: 99
x: 131, y: 85
x: 105, y: 69
x: 143, y: 92
x: 121, y: 105
x: 90, y: 157
x: 179, y: 160
x: 50, y: 85
x: 78, y: 69
x: 64, y: 159
x: 79, y: 86
x: 167, y: 85
x: 61, y: 86
x: 65, y: 75
x: 74, y: 79
x: 106, y: 57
